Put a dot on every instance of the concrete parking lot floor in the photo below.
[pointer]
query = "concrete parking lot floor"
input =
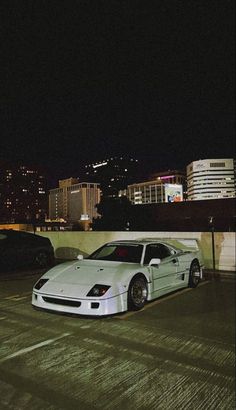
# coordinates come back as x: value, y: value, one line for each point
x: 177, y: 353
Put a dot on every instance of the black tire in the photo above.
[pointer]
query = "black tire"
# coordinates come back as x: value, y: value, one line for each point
x: 137, y: 293
x: 42, y: 259
x: 194, y: 274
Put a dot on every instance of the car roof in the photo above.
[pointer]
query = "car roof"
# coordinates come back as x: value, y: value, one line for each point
x: 142, y: 241
x: 19, y: 234
x: 14, y: 232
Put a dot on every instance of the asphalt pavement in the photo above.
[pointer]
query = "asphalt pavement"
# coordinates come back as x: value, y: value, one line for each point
x: 176, y: 353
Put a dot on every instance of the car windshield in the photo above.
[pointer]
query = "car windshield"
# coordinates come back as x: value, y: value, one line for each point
x: 119, y: 253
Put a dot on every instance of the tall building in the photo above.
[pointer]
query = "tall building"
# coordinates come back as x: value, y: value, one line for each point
x: 166, y: 187
x: 23, y: 194
x: 113, y: 174
x: 74, y: 201
x: 211, y: 179
x: 170, y: 177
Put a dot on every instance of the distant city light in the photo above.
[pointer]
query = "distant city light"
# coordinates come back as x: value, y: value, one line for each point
x: 100, y: 165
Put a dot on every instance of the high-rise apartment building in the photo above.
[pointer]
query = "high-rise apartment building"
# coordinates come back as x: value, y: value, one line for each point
x: 211, y: 179
x: 113, y: 174
x: 23, y: 194
x: 74, y: 201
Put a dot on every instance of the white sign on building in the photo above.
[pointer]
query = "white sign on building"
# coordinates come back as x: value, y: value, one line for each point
x: 173, y: 193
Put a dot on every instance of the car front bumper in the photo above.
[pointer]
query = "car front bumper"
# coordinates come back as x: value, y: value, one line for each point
x: 90, y: 306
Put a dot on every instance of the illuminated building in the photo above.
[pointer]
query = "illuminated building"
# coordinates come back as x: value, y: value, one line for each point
x: 113, y: 174
x: 170, y: 177
x: 211, y: 179
x: 74, y: 201
x: 166, y: 187
x: 23, y: 194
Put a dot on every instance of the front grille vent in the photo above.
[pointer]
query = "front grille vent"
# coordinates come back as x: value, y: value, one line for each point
x: 63, y: 302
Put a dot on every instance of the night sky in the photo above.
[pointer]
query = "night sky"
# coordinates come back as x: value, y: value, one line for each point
x: 85, y: 80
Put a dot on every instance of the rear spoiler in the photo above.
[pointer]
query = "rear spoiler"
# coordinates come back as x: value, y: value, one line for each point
x: 183, y: 243
x: 188, y: 244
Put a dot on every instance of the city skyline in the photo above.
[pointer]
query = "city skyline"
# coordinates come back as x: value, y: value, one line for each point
x: 24, y: 193
x: 145, y: 171
x: 83, y: 83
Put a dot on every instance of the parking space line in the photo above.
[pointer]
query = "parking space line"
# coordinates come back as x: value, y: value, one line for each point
x: 18, y: 297
x: 158, y: 301
x: 12, y: 297
x: 31, y: 348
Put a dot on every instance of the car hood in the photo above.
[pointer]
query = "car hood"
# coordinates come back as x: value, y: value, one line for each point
x: 75, y: 279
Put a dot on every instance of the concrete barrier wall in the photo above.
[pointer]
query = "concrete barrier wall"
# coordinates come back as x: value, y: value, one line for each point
x: 68, y: 245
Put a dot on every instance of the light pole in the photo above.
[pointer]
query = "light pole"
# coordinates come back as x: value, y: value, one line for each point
x: 211, y: 225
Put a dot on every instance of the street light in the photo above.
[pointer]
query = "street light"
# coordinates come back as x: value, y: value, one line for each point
x: 212, y: 229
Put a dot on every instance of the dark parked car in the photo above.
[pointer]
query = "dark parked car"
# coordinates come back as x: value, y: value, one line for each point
x: 18, y: 249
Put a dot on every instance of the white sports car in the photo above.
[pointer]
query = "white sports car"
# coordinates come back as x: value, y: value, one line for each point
x: 118, y: 276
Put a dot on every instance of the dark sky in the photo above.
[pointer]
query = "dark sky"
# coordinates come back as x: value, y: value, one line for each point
x: 84, y: 80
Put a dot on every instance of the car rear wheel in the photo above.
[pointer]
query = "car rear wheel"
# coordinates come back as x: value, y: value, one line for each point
x: 137, y: 293
x: 194, y: 274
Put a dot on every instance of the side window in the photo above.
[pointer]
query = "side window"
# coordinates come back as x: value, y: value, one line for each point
x: 156, y: 250
x: 2, y: 237
x: 164, y: 251
x: 152, y: 251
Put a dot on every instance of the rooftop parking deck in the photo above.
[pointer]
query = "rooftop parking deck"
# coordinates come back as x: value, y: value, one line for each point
x: 178, y: 352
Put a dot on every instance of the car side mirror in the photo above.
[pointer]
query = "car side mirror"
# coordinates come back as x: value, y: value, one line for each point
x: 80, y: 257
x: 154, y: 261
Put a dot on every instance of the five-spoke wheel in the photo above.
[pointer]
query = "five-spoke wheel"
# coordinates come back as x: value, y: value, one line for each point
x: 137, y: 293
x: 194, y: 274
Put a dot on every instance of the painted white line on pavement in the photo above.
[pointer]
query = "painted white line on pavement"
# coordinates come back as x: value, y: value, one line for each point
x: 31, y: 348
x: 12, y: 296
x: 17, y: 298
x: 158, y: 301
x: 21, y: 296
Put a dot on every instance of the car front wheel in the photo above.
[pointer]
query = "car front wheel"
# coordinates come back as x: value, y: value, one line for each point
x: 41, y: 259
x: 194, y: 274
x: 137, y: 293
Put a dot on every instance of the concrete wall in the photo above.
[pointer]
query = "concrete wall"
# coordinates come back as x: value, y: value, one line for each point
x: 68, y: 245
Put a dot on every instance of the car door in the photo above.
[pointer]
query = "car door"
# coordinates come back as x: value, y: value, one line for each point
x: 8, y: 253
x: 18, y: 248
x: 5, y: 251
x: 163, y: 274
x: 183, y: 269
x: 24, y: 248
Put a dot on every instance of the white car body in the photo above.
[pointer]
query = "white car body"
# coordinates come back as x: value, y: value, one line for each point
x: 65, y: 287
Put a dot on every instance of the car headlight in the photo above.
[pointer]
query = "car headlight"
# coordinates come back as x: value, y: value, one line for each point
x: 40, y: 283
x: 98, y: 290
